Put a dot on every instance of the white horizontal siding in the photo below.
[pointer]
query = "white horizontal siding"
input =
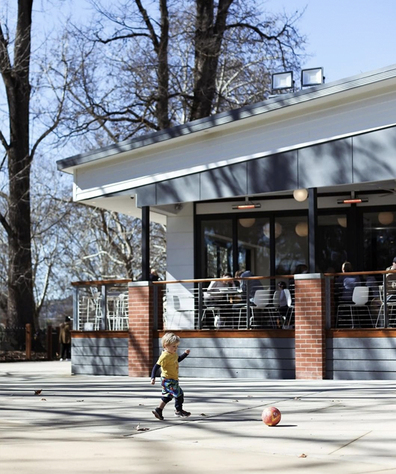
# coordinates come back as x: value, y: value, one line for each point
x: 180, y: 245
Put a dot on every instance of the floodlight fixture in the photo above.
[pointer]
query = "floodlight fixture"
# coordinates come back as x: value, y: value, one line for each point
x: 282, y: 81
x: 312, y: 77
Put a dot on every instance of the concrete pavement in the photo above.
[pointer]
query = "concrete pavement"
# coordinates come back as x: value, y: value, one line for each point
x: 90, y: 424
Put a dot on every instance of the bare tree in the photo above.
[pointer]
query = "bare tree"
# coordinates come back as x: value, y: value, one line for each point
x: 19, y: 147
x: 144, y: 66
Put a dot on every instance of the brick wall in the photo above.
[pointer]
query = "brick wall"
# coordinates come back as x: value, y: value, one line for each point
x: 141, y: 319
x: 310, y: 337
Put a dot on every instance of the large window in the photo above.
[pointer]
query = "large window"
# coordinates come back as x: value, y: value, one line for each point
x: 217, y: 251
x: 291, y: 245
x: 254, y: 245
x: 332, y: 238
x: 276, y: 243
x: 379, y: 239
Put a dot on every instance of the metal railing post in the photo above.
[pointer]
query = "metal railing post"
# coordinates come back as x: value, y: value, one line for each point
x: 200, y: 305
x: 155, y: 307
x: 247, y: 304
x: 76, y: 316
x: 385, y: 302
x: 103, y: 305
x: 328, y: 300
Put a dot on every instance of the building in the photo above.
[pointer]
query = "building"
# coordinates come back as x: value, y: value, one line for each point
x: 226, y: 185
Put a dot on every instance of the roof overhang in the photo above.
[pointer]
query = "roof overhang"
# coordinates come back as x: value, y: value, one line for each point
x: 280, y: 125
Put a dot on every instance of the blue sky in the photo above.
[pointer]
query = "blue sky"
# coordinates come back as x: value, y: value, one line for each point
x: 346, y: 37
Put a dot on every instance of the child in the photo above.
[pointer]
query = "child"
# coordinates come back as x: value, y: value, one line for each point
x: 169, y: 363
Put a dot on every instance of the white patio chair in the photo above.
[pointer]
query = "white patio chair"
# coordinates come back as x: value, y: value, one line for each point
x: 360, y: 298
x: 262, y: 302
x: 209, y: 307
x: 391, y: 305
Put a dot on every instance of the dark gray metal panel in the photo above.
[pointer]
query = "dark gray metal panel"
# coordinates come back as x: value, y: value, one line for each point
x: 236, y: 357
x: 374, y: 155
x: 103, y: 350
x: 365, y: 365
x: 361, y: 358
x: 375, y: 375
x: 100, y: 356
x: 241, y: 373
x: 243, y: 352
x: 375, y: 353
x: 99, y: 370
x: 325, y: 165
x: 362, y: 343
x: 258, y: 343
x: 273, y: 173
x: 185, y: 189
x: 99, y: 359
x: 227, y: 181
x: 146, y: 195
x: 231, y: 362
x: 100, y: 342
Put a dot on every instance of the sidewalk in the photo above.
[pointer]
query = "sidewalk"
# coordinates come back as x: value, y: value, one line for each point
x: 88, y: 424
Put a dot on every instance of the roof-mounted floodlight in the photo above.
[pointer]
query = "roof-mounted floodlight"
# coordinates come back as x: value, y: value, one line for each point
x: 282, y: 81
x: 312, y: 77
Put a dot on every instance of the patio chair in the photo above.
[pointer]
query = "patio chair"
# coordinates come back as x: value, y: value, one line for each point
x: 345, y: 311
x: 390, y: 305
x: 209, y: 307
x: 261, y: 306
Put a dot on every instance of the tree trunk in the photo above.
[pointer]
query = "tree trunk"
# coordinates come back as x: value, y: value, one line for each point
x: 209, y: 35
x: 21, y: 307
x: 162, y: 111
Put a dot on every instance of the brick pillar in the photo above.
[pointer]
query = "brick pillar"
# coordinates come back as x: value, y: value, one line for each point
x: 141, y: 318
x: 310, y: 327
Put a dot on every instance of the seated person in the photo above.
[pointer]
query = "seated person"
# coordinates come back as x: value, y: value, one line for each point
x: 237, y: 277
x: 222, y: 284
x: 282, y: 299
x: 391, y: 282
x: 346, y: 284
x: 253, y: 285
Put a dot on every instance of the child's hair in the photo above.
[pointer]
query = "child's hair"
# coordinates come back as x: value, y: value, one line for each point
x: 169, y: 338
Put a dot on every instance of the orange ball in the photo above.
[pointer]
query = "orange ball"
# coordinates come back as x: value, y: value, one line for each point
x: 271, y: 416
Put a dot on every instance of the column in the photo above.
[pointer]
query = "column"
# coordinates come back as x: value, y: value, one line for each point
x: 141, y: 320
x: 310, y: 328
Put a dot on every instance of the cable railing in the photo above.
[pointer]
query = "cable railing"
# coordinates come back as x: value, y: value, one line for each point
x: 101, y: 305
x: 225, y: 303
x: 356, y: 300
x: 361, y: 300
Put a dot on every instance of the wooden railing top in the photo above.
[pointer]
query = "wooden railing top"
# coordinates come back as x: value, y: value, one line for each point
x: 208, y: 280
x: 100, y: 282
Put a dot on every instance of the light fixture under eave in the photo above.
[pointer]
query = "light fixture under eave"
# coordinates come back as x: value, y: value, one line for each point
x: 247, y: 205
x: 352, y: 201
x: 300, y: 195
x: 301, y: 229
x: 247, y: 222
x: 282, y: 81
x: 385, y: 218
x: 312, y: 77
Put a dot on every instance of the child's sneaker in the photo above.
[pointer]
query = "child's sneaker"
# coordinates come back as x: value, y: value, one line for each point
x: 182, y: 414
x: 158, y: 414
